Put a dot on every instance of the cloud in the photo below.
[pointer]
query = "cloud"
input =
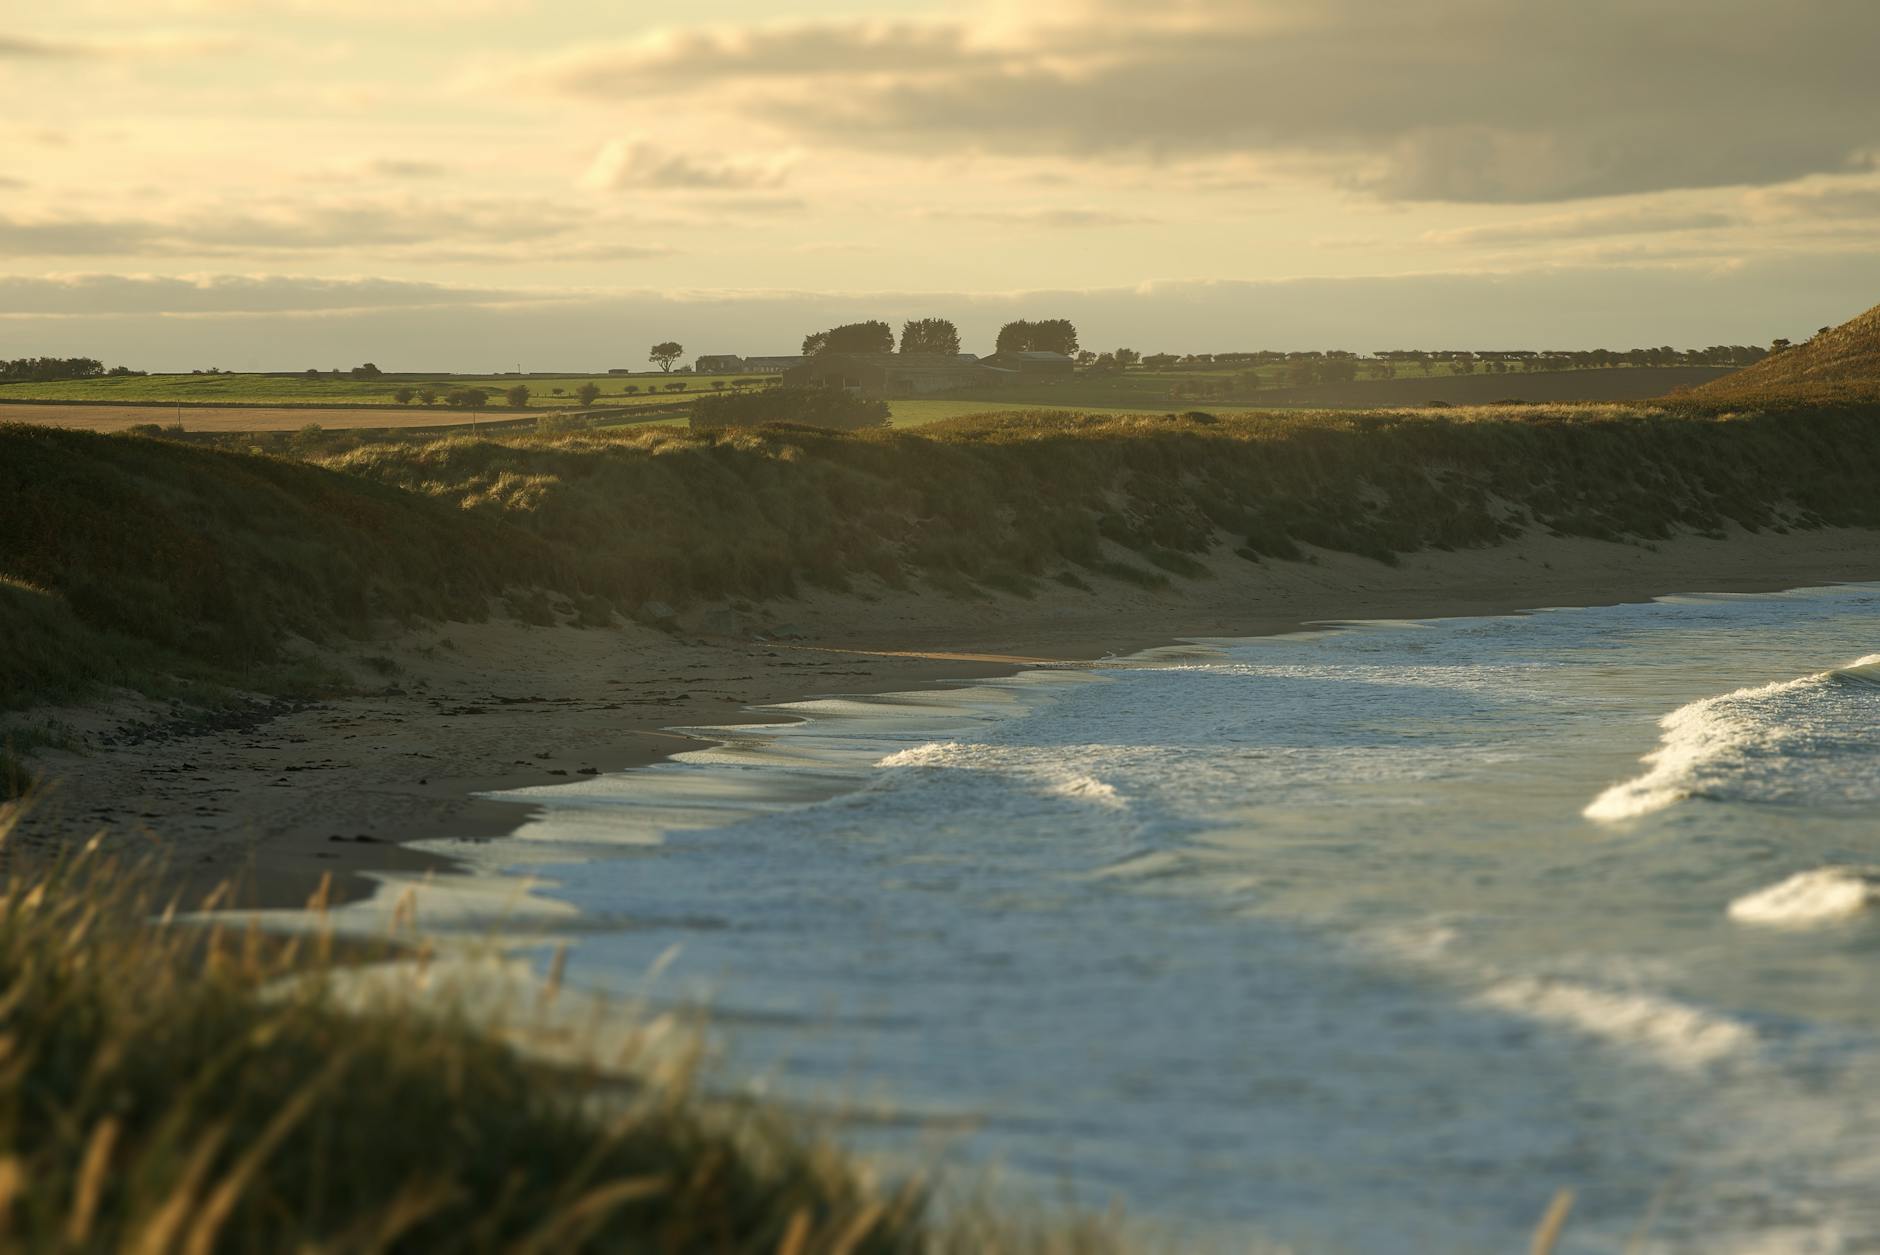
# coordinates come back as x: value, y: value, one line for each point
x: 1633, y: 220
x: 1822, y: 202
x: 332, y: 226
x: 124, y: 295
x: 405, y: 168
x: 131, y: 48
x: 685, y: 59
x: 624, y: 164
x: 1484, y: 101
x: 415, y: 326
x: 1050, y: 219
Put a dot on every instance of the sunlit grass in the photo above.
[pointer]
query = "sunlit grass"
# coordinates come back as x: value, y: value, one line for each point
x: 161, y: 557
x: 201, y: 1088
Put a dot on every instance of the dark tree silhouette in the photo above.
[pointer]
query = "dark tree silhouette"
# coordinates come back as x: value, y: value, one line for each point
x: 930, y: 335
x: 853, y: 337
x: 1052, y: 335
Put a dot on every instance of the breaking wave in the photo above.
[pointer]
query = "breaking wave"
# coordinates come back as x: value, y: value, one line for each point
x: 1769, y: 743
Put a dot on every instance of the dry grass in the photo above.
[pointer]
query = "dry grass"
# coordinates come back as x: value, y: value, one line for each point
x: 196, y: 1089
x: 1838, y: 366
x: 159, y: 560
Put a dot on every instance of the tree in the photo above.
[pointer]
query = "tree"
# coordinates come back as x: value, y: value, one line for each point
x: 1342, y: 369
x: 367, y: 371
x: 1127, y: 357
x: 851, y: 337
x: 930, y: 335
x: 587, y: 392
x: 1052, y: 335
x: 466, y: 398
x: 517, y: 396
x: 665, y: 353
x: 403, y: 396
x: 427, y: 396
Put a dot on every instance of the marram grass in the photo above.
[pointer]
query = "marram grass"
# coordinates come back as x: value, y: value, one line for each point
x: 129, y: 556
x: 188, y: 1089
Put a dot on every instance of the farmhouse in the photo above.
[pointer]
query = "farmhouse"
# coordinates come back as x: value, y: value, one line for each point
x: 890, y: 374
x: 770, y: 365
x: 1033, y: 362
x: 719, y: 364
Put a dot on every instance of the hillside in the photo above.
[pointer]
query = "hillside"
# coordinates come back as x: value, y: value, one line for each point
x: 1843, y: 362
x: 128, y: 558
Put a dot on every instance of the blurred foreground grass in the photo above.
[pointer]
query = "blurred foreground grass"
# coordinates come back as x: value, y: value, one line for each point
x: 199, y: 1087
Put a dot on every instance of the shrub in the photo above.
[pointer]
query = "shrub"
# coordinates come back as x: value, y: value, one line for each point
x: 518, y: 396
x: 404, y: 396
x: 832, y: 408
x: 467, y: 398
x: 588, y: 392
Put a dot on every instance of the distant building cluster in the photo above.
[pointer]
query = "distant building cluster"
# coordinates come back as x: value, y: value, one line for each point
x: 732, y: 364
x: 893, y: 374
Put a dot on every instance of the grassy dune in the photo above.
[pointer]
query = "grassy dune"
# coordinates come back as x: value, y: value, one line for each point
x: 130, y: 556
x: 1841, y: 364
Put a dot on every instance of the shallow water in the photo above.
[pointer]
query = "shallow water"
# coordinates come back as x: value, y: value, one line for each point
x: 1364, y: 939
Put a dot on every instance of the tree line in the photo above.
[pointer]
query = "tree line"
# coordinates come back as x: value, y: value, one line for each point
x: 46, y: 369
x: 939, y: 335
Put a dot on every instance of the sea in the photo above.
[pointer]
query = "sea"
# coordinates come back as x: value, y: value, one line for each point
x: 1371, y: 937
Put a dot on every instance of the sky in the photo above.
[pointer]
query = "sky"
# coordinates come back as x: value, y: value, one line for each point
x: 557, y: 184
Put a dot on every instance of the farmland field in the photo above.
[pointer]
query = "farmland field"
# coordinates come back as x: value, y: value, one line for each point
x: 281, y: 390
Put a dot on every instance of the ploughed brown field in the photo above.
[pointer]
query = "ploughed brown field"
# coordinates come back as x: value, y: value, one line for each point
x: 243, y: 418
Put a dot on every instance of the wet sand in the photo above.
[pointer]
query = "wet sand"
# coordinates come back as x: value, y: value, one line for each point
x: 292, y: 792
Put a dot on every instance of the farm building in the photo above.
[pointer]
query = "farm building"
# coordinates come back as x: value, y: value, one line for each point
x: 1033, y: 362
x: 719, y: 364
x: 770, y: 365
x: 890, y: 374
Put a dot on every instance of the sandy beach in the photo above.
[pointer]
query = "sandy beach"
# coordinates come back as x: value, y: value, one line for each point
x: 278, y: 796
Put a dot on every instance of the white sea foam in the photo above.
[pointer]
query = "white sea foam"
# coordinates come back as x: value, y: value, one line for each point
x: 1709, y: 742
x: 1811, y: 897
x: 1677, y: 1035
x: 1088, y: 789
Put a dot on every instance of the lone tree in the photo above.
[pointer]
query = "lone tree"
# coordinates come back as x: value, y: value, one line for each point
x: 1052, y: 335
x: 930, y: 335
x: 665, y: 353
x: 587, y: 392
x: 852, y: 337
x: 517, y: 396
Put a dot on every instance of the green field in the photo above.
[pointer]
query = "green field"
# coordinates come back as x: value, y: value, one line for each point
x: 341, y: 390
x: 921, y: 412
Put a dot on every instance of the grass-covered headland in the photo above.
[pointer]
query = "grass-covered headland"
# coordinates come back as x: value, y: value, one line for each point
x: 155, y: 561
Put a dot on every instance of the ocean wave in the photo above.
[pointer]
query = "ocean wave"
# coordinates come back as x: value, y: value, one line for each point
x: 1722, y: 745
x: 1811, y: 897
x: 1674, y: 1033
x: 1049, y: 772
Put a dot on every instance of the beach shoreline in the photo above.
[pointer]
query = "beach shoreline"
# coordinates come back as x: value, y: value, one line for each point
x: 453, y: 712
